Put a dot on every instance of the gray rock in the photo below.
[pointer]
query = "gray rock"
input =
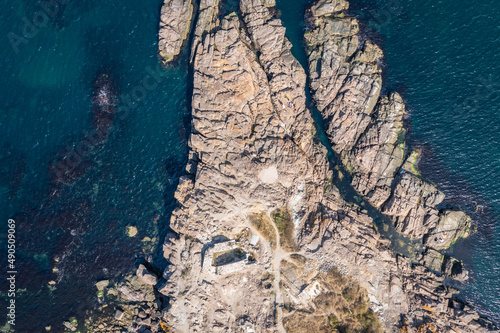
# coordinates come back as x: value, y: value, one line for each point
x: 146, y: 276
x: 452, y: 225
x: 102, y: 284
x: 325, y: 8
x: 413, y: 205
x: 132, y: 289
x: 119, y: 314
x: 176, y: 16
x: 269, y: 3
x: 70, y: 326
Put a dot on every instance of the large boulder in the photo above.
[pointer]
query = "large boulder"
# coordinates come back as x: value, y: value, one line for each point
x: 175, y: 23
x: 146, y: 276
x: 328, y: 7
x: 452, y: 225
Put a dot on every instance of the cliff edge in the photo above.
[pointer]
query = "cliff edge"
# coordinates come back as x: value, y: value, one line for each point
x: 263, y: 241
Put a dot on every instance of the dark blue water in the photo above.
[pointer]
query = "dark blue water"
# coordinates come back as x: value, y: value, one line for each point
x: 46, y: 107
x: 441, y: 55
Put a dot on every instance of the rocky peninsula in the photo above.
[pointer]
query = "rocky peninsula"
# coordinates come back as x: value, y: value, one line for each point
x: 263, y: 240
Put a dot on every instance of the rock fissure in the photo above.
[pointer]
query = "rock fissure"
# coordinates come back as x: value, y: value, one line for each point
x: 263, y: 240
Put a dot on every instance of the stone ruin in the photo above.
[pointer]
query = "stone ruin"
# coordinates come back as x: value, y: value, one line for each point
x: 225, y: 258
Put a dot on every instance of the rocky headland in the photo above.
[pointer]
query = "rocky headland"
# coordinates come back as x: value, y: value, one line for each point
x: 176, y: 16
x: 263, y: 240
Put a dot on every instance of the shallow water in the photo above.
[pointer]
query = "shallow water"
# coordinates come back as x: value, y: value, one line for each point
x: 441, y: 55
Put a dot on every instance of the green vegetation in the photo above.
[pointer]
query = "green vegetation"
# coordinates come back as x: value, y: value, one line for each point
x: 263, y: 224
x: 343, y: 308
x: 455, y: 240
x: 414, y: 165
x: 224, y: 258
x: 314, y: 131
x: 401, y: 141
x: 283, y: 221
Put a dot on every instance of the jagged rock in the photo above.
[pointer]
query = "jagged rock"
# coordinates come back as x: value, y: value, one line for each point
x: 454, y: 269
x: 146, y: 276
x: 367, y: 132
x: 254, y: 120
x: 256, y: 167
x: 102, y: 284
x: 269, y: 3
x: 183, y: 189
x: 377, y: 156
x: 119, y: 314
x: 433, y: 260
x: 334, y: 48
x: 325, y: 8
x: 452, y: 225
x: 70, y: 326
x: 175, y: 21
x: 132, y: 289
x: 413, y: 205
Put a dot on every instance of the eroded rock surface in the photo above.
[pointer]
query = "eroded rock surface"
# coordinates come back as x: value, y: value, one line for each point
x: 262, y: 240
x: 366, y: 130
x: 175, y: 21
x: 131, y: 306
x: 256, y: 169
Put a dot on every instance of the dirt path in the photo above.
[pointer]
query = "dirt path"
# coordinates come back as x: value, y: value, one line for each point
x: 279, y: 255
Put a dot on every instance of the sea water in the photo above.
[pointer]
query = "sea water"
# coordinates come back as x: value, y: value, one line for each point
x: 440, y: 55
x: 47, y: 85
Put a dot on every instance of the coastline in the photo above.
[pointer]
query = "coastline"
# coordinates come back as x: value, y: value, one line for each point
x: 192, y: 240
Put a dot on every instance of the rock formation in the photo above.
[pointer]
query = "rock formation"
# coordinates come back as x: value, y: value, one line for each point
x: 262, y: 239
x: 175, y: 21
x: 257, y: 170
x: 366, y: 131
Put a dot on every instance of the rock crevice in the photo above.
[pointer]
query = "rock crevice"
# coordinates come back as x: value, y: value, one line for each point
x: 260, y: 230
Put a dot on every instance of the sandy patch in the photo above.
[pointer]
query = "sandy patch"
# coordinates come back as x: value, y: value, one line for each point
x: 269, y: 175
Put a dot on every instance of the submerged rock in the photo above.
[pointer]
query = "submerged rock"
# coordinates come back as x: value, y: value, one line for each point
x: 74, y: 161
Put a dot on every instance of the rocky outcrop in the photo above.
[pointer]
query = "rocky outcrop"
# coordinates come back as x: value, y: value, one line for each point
x: 257, y: 170
x: 366, y: 130
x: 175, y: 22
x: 378, y: 154
x: 128, y: 305
x: 452, y: 225
x: 146, y: 276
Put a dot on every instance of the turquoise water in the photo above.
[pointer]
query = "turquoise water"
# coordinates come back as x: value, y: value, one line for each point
x: 442, y: 56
